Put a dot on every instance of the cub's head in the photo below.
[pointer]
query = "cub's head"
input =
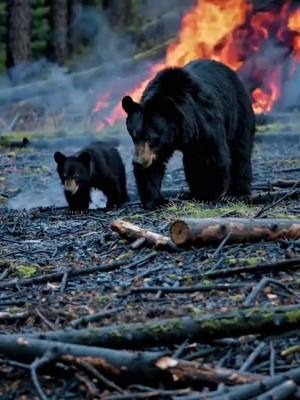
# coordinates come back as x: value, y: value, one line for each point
x: 74, y: 171
x: 153, y: 129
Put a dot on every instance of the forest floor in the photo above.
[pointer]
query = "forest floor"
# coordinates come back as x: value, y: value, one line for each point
x: 38, y: 237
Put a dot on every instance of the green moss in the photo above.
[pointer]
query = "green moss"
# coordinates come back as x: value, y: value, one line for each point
x: 196, y: 210
x: 251, y: 261
x: 293, y: 316
x: 104, y: 299
x: 236, y: 298
x: 26, y: 271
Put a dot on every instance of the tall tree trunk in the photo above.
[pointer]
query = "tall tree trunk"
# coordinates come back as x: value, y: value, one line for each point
x: 74, y: 10
x: 18, y: 32
x: 59, y: 29
x: 119, y: 12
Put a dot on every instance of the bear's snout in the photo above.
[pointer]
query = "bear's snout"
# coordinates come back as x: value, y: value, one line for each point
x: 143, y: 156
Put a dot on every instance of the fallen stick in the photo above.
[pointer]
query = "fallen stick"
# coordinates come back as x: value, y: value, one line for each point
x: 121, y: 363
x: 292, y: 264
x: 74, y: 272
x: 206, y: 231
x: 188, y: 289
x: 176, y: 330
x: 268, y: 197
x: 133, y: 232
x: 285, y: 183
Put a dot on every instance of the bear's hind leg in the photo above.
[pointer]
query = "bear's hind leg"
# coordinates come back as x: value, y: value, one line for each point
x: 207, y: 183
x: 241, y: 177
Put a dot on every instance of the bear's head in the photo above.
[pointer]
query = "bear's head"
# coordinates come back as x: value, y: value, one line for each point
x: 74, y: 171
x: 153, y: 128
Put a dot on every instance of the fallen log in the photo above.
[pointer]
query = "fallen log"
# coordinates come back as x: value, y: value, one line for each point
x: 121, y: 364
x: 133, y: 232
x: 206, y: 231
x: 140, y: 335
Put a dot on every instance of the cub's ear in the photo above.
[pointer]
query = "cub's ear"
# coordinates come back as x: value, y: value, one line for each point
x: 129, y: 106
x: 59, y: 158
x: 84, y: 158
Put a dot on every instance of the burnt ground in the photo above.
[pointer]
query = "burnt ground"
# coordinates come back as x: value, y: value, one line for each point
x: 37, y: 237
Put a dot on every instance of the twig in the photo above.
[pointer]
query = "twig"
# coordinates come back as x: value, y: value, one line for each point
x: 45, y: 320
x: 101, y: 378
x: 252, y: 357
x: 291, y: 264
x: 37, y: 363
x: 289, y: 194
x: 64, y: 280
x: 95, y: 317
x: 221, y: 245
x: 188, y: 289
x: 250, y: 300
x: 272, y: 359
x: 73, y: 273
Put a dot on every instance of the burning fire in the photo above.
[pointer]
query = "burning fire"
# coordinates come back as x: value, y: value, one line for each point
x: 255, y: 44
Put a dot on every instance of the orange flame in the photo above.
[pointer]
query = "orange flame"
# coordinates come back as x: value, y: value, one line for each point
x: 228, y: 31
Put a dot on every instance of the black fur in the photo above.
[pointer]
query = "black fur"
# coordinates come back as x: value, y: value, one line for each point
x: 98, y: 166
x: 204, y: 111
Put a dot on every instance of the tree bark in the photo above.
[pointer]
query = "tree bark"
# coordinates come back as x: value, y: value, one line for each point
x: 59, y: 29
x: 18, y: 32
x: 175, y: 330
x: 74, y: 8
x: 206, y: 231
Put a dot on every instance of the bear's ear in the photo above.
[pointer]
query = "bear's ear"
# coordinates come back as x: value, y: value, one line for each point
x: 129, y: 106
x: 84, y: 158
x: 59, y: 158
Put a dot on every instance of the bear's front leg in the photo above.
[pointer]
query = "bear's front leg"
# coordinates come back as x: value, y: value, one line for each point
x: 207, y: 181
x: 148, y: 182
x: 79, y: 201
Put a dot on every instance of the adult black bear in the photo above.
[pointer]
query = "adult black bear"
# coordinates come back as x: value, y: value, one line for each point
x: 99, y: 166
x: 204, y: 111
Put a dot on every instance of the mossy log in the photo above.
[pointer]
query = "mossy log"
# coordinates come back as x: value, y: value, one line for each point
x: 175, y: 330
x: 206, y: 231
x: 133, y: 232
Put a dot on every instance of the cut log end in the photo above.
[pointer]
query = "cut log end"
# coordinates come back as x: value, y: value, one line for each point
x: 179, y: 232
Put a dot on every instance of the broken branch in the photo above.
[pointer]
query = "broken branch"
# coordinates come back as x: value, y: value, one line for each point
x: 133, y: 232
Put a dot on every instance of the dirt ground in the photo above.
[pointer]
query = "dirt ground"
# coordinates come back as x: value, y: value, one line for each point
x: 38, y: 237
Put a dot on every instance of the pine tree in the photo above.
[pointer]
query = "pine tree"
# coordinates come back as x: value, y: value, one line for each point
x: 59, y: 30
x: 18, y: 44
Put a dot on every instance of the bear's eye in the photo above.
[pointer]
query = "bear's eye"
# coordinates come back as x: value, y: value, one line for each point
x: 75, y: 176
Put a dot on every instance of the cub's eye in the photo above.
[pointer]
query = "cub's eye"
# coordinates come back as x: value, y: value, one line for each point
x: 75, y: 176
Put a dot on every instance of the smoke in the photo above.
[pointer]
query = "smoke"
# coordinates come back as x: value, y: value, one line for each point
x: 68, y: 99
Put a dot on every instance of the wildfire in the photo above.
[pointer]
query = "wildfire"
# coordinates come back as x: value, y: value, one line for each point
x: 229, y: 31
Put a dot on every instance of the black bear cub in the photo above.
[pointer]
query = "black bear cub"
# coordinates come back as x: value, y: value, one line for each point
x: 204, y: 111
x: 98, y: 166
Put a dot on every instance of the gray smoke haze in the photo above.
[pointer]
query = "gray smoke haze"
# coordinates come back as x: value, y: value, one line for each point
x: 113, y: 52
